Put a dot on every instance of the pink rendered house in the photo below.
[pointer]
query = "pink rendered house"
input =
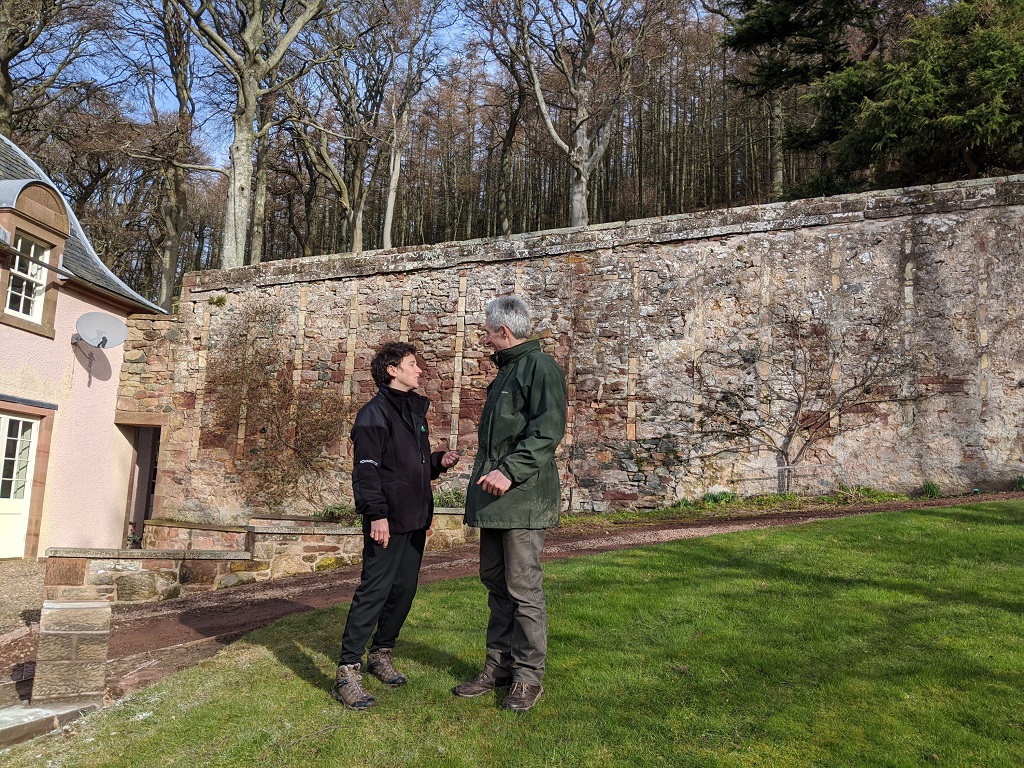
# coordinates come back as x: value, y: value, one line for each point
x: 69, y: 475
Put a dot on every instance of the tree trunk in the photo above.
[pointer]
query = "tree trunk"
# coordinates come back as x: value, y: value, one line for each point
x: 394, y: 172
x: 579, y: 175
x: 776, y: 145
x: 259, y: 208
x: 6, y: 100
x: 357, y: 197
x: 172, y: 211
x: 239, y: 202
x: 259, y: 211
x: 784, y: 477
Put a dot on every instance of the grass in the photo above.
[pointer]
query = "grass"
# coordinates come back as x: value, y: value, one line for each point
x: 450, y: 497
x: 338, y: 513
x: 880, y: 640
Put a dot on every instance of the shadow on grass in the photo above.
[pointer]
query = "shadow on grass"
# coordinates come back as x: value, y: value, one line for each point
x: 304, y: 655
x: 978, y: 514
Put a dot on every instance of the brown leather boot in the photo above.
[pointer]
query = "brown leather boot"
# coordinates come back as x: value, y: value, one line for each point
x: 480, y: 685
x: 348, y: 688
x: 522, y: 697
x: 378, y: 664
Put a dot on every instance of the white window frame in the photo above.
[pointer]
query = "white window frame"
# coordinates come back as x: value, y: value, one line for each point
x: 18, y: 486
x: 31, y: 275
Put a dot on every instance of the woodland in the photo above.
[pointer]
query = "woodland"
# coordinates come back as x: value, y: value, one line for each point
x: 206, y: 134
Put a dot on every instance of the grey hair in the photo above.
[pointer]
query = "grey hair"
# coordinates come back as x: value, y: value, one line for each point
x: 510, y: 311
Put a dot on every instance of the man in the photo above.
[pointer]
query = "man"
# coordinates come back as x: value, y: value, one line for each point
x: 393, y: 467
x: 513, y: 498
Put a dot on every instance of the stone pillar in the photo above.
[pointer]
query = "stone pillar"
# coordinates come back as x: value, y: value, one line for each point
x: 71, y: 663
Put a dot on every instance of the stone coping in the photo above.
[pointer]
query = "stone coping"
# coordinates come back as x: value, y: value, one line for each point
x: 167, y: 523
x: 65, y: 605
x: 285, y: 518
x: 149, y: 554
x: 449, y: 511
x: 322, y: 529
x: 694, y: 225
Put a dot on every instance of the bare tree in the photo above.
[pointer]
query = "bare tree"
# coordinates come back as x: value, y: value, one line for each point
x: 813, y: 380
x: 588, y: 46
x: 44, y: 56
x: 249, y: 39
x: 161, y: 60
x: 502, y: 42
x: 416, y: 49
x: 340, y: 129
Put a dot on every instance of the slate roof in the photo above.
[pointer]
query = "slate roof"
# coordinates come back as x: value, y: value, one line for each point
x: 16, y: 169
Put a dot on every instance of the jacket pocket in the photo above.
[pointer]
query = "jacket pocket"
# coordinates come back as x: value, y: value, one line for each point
x: 401, y: 498
x: 507, y: 425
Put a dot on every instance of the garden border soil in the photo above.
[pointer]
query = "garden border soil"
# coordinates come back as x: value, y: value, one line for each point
x: 150, y: 641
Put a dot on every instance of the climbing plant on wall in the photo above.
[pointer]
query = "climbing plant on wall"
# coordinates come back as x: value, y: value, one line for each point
x: 282, y: 432
x: 807, y: 380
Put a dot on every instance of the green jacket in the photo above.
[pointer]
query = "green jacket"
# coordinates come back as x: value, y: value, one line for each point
x: 522, y: 423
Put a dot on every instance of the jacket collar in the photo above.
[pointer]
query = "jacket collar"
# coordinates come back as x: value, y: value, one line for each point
x: 401, y: 401
x: 505, y: 356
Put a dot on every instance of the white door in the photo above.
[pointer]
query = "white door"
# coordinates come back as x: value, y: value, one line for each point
x: 17, y: 457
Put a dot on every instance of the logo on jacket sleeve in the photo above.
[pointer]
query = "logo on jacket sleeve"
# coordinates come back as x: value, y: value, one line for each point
x: 369, y: 461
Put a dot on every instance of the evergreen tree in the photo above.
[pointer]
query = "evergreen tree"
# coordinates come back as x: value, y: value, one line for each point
x: 950, y: 105
x: 792, y: 43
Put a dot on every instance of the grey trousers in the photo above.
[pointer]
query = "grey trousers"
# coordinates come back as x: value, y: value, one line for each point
x: 517, y: 632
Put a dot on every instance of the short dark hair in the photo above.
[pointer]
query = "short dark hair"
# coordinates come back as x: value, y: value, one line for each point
x: 392, y: 353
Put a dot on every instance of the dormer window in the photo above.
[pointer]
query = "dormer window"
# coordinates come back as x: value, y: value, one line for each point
x: 33, y: 231
x: 27, y: 280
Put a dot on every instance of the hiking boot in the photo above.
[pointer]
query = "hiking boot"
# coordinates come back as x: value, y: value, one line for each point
x: 378, y: 664
x: 348, y: 688
x: 522, y: 697
x: 480, y: 685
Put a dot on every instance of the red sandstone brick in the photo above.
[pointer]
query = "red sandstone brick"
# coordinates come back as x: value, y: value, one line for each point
x: 66, y: 571
x: 158, y: 565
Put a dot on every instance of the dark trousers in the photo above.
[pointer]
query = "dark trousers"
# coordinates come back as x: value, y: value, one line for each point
x: 517, y: 631
x: 384, y: 595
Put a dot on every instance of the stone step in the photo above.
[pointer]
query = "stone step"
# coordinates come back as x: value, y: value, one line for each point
x: 23, y: 722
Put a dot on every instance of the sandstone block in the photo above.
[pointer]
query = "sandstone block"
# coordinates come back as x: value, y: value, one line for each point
x: 66, y: 570
x: 55, y: 647
x: 68, y: 681
x: 288, y: 565
x: 197, y: 572
x: 136, y: 586
x: 91, y: 647
x: 234, y: 579
x: 73, y: 594
x: 74, y: 617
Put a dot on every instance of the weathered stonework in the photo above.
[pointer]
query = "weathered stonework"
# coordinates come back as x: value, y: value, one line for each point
x: 71, y: 660
x: 626, y: 309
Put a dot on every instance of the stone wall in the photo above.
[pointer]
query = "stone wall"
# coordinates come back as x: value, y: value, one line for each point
x: 627, y: 309
x: 181, y: 558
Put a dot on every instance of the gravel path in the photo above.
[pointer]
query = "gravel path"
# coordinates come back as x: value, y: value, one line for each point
x: 21, y: 594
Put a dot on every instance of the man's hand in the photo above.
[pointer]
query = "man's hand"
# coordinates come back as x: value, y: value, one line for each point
x: 450, y: 459
x: 380, y: 531
x: 494, y: 482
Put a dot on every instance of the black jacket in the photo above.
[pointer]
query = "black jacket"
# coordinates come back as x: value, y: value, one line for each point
x: 393, y: 464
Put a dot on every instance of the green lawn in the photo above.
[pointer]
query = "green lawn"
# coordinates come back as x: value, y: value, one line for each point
x: 885, y: 640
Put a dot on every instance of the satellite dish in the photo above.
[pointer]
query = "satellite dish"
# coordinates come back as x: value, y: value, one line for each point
x: 99, y: 329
